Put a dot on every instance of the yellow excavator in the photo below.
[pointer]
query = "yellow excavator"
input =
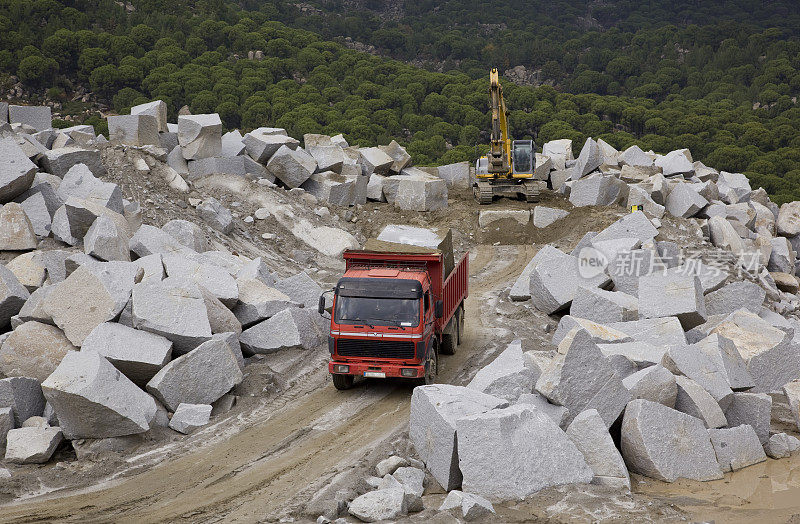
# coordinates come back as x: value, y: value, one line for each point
x: 507, y: 170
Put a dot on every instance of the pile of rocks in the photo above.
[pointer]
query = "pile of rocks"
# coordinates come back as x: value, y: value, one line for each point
x: 665, y: 364
x: 113, y: 325
x: 326, y: 166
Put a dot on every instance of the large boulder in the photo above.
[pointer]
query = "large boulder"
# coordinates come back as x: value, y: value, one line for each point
x: 292, y: 167
x: 92, y: 294
x: 666, y: 295
x: 513, y: 452
x: 736, y: 447
x: 290, y: 328
x: 435, y: 410
x: 772, y: 359
x: 213, y: 278
x: 416, y: 192
x: 788, y: 222
x: 261, y: 144
x: 559, y: 151
x: 200, y: 136
x: 332, y: 188
x: 137, y: 354
x: 753, y: 409
x: 16, y: 170
x: 635, y: 157
x: 704, y: 368
x: 258, y: 301
x: 156, y: 109
x: 94, y: 400
x: 693, y: 400
x: 457, y: 175
x: 216, y: 215
x: 675, y: 163
x: 134, y: 130
x: 733, y: 187
x: 106, y: 241
x: 189, y: 417
x: 589, y: 434
x: 187, y: 234
x: 683, y: 202
x: 33, y: 350
x: 23, y: 395
x: 735, y: 296
x: 12, y: 296
x: 40, y: 204
x: 581, y: 377
x: 37, y: 117
x: 174, y: 309
x: 604, y: 307
x: 149, y: 240
x: 199, y: 377
x: 633, y: 225
x: 379, y: 505
x: 555, y: 280
x: 665, y: 444
x: 653, y: 383
x: 60, y: 160
x: 597, y: 190
x: 508, y: 376
x: 589, y: 159
x: 374, y: 160
x: 32, y: 445
x: 16, y: 230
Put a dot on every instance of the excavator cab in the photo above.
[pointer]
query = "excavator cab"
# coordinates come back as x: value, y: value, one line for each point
x: 523, y: 158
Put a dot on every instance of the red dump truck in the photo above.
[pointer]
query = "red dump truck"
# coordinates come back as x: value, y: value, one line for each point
x: 394, y: 311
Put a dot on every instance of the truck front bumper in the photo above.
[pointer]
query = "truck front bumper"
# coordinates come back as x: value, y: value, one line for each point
x: 376, y: 370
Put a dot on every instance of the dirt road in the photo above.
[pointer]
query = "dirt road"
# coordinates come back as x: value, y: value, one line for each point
x: 306, y: 436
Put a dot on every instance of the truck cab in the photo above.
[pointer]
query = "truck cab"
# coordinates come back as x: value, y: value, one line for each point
x: 388, y: 317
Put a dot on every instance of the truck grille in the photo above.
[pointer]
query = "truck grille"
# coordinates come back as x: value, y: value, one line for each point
x: 375, y: 348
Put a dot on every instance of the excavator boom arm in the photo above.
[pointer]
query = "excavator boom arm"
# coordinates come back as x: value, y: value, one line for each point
x: 500, y: 148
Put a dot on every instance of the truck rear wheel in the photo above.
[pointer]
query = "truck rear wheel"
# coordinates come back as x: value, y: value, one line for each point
x: 342, y: 382
x: 460, y: 324
x: 449, y: 341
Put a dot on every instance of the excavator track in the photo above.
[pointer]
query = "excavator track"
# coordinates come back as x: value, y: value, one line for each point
x: 484, y: 193
x: 531, y: 191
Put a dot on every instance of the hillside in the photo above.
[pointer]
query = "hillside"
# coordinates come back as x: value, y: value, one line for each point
x: 727, y: 91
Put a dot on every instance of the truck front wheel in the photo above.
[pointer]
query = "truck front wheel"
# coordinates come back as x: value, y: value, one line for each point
x: 431, y: 370
x: 342, y: 382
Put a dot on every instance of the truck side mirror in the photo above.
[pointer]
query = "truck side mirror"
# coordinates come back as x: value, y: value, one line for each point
x: 321, y: 306
x: 438, y: 309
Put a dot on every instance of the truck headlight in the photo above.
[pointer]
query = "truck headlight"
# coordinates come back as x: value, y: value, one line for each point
x: 340, y: 368
x: 408, y: 372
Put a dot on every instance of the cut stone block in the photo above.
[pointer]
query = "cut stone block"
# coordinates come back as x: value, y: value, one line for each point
x: 33, y: 350
x: 258, y: 301
x: 653, y: 383
x: 457, y: 175
x: 693, y: 400
x: 753, y: 409
x: 37, y: 117
x: 554, y: 282
x: 558, y: 414
x: 663, y: 295
x: 589, y: 434
x: 683, y: 202
x: 232, y: 145
x: 711, y: 278
x: 603, y: 306
x: 639, y: 197
x: 6, y: 425
x: 792, y: 392
x: 634, y: 225
x: 189, y: 417
x: 58, y: 161
x: 331, y: 187
x: 16, y: 170
x: 598, y: 333
x: 156, y: 109
x: 736, y: 448
x: 214, y: 279
x: 301, y: 288
x: 771, y: 359
x: 94, y: 400
x: 435, y: 410
x: 91, y: 296
x: 675, y: 163
x: 216, y: 215
x: 400, y: 157
x: 418, y: 193
x: 71, y: 222
x: 329, y: 158
x: 507, y: 376
x: 149, y: 240
x: 262, y: 146
x: 174, y: 309
x: 568, y: 383
x: 641, y: 354
x: 379, y: 505
x: 665, y: 444
x: 291, y: 167
x: 521, y: 290
x: 589, y: 159
x: 288, y: 329
x: 23, y: 395
x: 40, y: 204
x: 782, y: 257
x: 188, y: 234
x: 544, y: 216
x: 703, y: 368
x: 375, y: 188
x: 32, y: 445
x: 374, y: 160
x: 788, y: 221
x: 139, y: 355
x: 134, y: 130
x: 733, y: 187
x: 16, y: 229
x: 105, y: 241
x: 635, y: 157
x: 735, y: 296
x: 200, y: 136
x: 513, y: 452
x: 79, y: 182
x: 199, y: 377
x: 597, y: 190
x: 724, y: 356
x: 487, y: 217
x: 559, y: 151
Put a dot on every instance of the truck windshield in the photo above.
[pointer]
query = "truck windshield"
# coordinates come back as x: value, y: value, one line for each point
x: 377, y: 311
